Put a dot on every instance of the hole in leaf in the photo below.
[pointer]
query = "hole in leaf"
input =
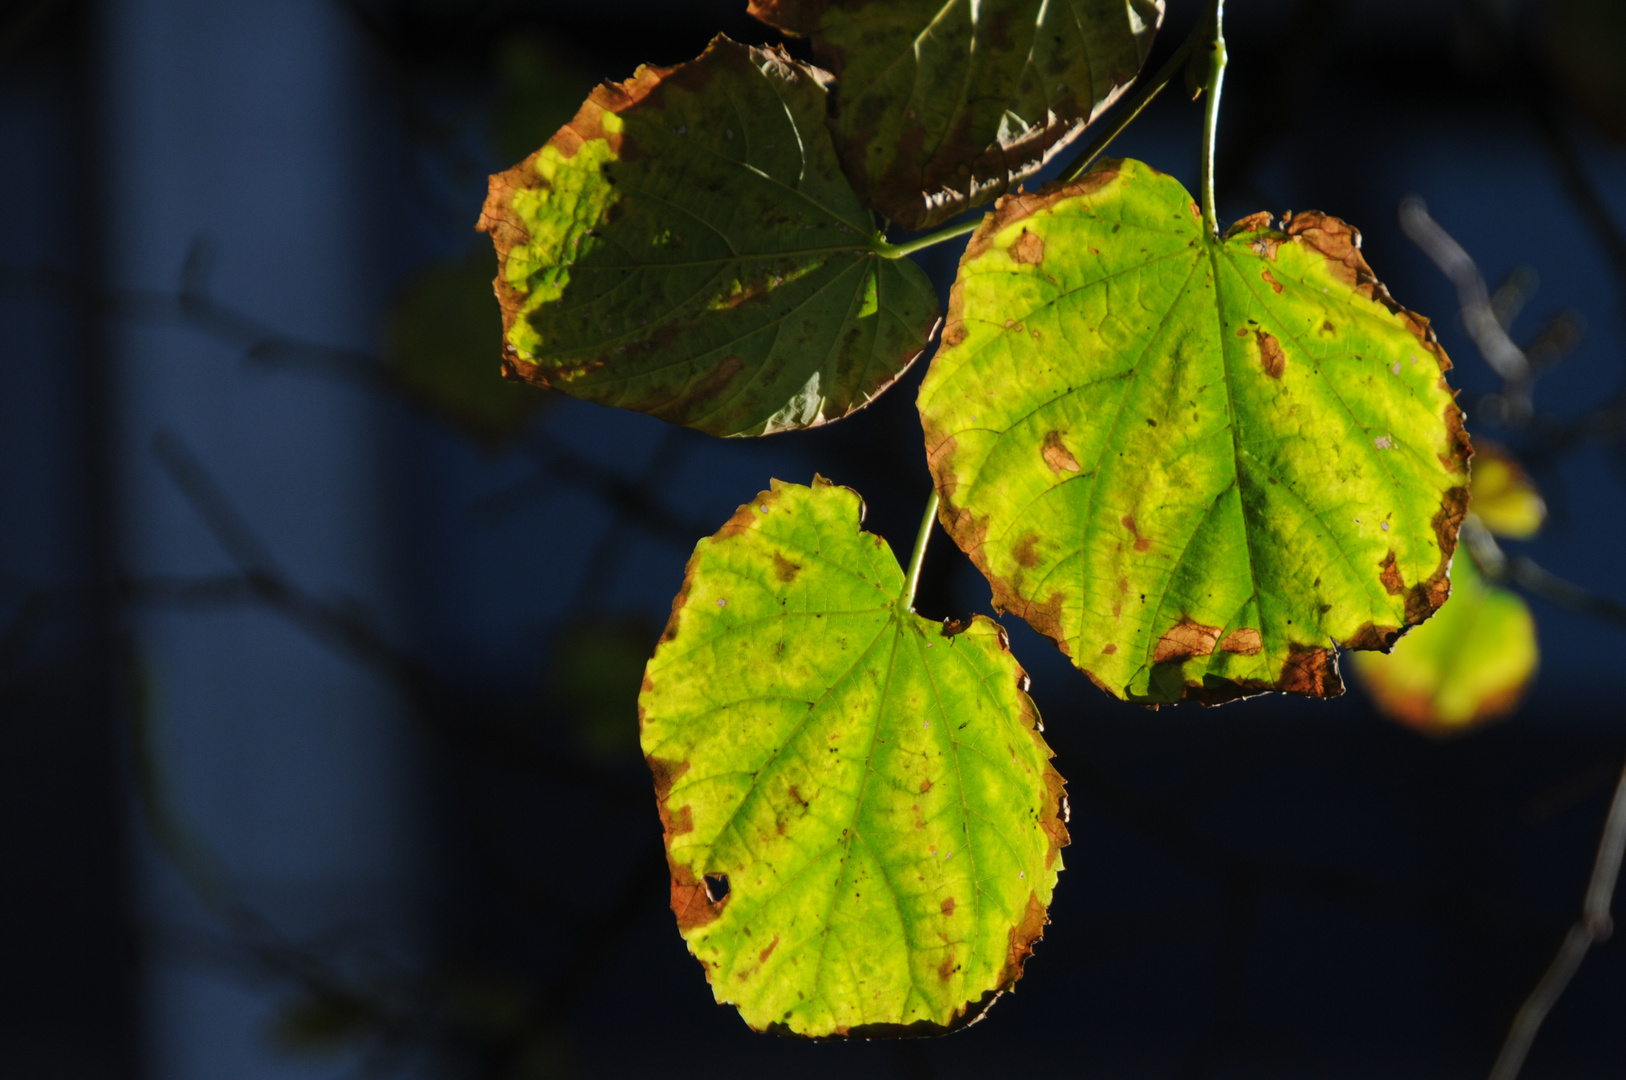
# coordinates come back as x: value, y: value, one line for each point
x: 717, y: 888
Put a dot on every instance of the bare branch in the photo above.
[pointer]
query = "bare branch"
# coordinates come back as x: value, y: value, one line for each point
x: 1594, y: 926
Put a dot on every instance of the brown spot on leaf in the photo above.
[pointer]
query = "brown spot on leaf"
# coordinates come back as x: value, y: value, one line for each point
x: 1311, y: 671
x: 784, y: 569
x: 925, y: 784
x: 1024, y: 553
x: 948, y: 906
x: 691, y: 901
x: 1244, y: 640
x: 1109, y: 649
x: 1393, y: 583
x: 762, y: 957
x: 1024, y: 935
x: 1056, y: 456
x: 947, y: 968
x: 1185, y: 638
x: 1028, y: 249
x: 1141, y: 542
x: 1373, y: 637
x: 1271, y: 356
x: 1270, y: 279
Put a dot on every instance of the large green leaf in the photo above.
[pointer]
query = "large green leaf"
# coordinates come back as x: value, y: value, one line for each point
x: 861, y: 818
x: 687, y: 246
x: 1467, y: 665
x: 1195, y: 464
x: 942, y: 106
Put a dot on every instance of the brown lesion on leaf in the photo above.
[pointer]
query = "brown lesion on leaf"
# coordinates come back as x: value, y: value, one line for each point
x: 1184, y: 639
x: 691, y: 900
x: 1271, y: 356
x: 1371, y: 636
x: 1024, y: 552
x: 1023, y: 936
x: 762, y: 957
x: 1142, y: 543
x: 784, y: 569
x: 947, y: 907
x: 1393, y: 583
x: 1270, y: 279
x: 1028, y: 249
x: 1311, y: 671
x: 1244, y: 641
x: 1057, y: 457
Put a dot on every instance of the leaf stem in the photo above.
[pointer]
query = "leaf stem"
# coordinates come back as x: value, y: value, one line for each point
x: 918, y: 557
x: 1215, y: 83
x: 1143, y: 97
x: 898, y: 251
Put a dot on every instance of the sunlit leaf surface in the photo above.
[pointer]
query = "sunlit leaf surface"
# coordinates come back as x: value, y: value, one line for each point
x: 687, y: 246
x: 861, y: 818
x: 942, y: 106
x: 1194, y: 464
x: 1469, y: 664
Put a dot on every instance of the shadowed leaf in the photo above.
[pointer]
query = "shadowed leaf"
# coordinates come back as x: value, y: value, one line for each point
x: 688, y: 247
x: 1469, y: 664
x: 442, y: 346
x: 861, y: 818
x: 942, y: 106
x: 1194, y: 464
x: 1505, y: 499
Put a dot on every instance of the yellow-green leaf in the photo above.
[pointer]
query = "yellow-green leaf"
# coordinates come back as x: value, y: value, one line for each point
x: 688, y: 247
x: 1469, y: 664
x: 1196, y: 464
x: 862, y: 822
x: 942, y: 106
x: 1505, y: 499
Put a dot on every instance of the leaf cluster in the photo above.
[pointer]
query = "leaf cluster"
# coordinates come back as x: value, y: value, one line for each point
x: 1199, y: 463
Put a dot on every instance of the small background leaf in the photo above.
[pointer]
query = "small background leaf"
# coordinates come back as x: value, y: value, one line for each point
x: 1219, y: 458
x: 861, y: 819
x: 688, y: 247
x: 442, y: 348
x: 1505, y: 499
x: 1469, y: 664
x: 942, y: 106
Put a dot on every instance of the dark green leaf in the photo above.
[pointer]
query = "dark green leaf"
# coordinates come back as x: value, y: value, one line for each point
x: 942, y: 106
x: 688, y: 247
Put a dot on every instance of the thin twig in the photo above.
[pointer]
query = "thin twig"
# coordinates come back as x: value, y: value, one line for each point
x: 1478, y: 317
x: 1593, y: 927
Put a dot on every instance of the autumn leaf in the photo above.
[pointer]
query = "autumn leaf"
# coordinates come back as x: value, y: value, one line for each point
x: 943, y: 106
x: 688, y: 247
x: 861, y: 819
x: 1505, y: 499
x: 1196, y: 464
x: 1469, y: 664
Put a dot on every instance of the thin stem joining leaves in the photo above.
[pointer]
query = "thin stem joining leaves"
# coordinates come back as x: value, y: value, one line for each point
x: 1214, y: 85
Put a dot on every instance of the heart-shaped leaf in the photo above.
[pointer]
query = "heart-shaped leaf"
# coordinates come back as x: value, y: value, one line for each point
x: 687, y: 246
x: 1469, y: 664
x: 942, y: 106
x: 861, y: 818
x: 1194, y: 463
